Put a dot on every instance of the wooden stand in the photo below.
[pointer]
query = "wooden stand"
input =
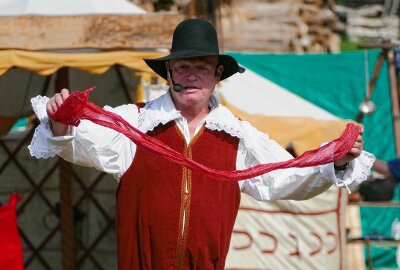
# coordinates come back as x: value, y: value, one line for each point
x: 388, y: 55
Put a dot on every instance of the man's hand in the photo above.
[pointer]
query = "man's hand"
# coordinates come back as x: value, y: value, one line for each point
x: 52, y: 106
x: 354, y: 152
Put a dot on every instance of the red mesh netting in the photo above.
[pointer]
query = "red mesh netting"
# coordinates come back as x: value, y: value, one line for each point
x: 77, y: 107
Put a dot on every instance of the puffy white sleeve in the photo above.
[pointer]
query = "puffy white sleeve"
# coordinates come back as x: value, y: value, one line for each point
x: 89, y: 144
x: 292, y: 183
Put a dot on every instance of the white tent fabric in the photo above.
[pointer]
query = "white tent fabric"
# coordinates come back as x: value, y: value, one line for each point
x: 255, y: 94
x: 65, y: 8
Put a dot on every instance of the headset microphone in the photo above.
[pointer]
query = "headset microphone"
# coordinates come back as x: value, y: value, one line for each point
x: 175, y: 86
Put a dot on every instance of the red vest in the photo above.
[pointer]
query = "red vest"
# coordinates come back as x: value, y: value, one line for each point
x: 169, y: 217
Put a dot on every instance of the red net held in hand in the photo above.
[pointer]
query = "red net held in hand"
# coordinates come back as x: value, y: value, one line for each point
x: 77, y: 107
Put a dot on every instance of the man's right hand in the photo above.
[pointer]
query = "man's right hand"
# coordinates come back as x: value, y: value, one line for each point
x: 52, y: 106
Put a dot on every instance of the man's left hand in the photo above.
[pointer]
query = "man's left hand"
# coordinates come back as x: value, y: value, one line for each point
x: 354, y: 152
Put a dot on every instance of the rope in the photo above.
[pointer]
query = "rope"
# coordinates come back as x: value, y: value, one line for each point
x: 77, y: 107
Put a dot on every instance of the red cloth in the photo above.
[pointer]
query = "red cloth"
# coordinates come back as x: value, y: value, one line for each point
x: 152, y: 198
x: 77, y: 107
x: 11, y: 256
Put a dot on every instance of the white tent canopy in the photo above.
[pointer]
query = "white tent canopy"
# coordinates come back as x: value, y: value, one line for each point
x: 255, y: 94
x: 71, y: 7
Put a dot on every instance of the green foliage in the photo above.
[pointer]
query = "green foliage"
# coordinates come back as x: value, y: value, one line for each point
x: 348, y: 45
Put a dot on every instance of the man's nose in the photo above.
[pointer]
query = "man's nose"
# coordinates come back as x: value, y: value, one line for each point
x: 192, y: 77
x: 192, y: 74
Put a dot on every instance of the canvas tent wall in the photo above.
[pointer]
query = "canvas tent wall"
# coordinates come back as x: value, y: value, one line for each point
x: 337, y: 84
x: 41, y: 54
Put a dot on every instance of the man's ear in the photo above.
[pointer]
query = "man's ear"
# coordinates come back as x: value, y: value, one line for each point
x: 218, y: 71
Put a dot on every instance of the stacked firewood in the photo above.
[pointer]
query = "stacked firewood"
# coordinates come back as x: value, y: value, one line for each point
x: 371, y: 23
x: 280, y: 26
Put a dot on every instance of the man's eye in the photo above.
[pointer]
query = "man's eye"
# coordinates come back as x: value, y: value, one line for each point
x: 180, y: 69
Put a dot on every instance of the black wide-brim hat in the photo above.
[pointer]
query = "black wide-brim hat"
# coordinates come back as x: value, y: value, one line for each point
x: 195, y: 38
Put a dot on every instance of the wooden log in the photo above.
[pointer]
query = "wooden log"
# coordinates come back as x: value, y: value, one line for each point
x: 264, y: 39
x: 301, y: 45
x: 261, y: 23
x: 363, y: 32
x: 326, y: 17
x: 259, y: 11
x: 141, y: 31
x: 367, y: 22
x: 307, y: 10
x: 369, y: 11
x: 317, y: 48
x: 333, y: 43
x: 258, y: 46
x: 269, y: 30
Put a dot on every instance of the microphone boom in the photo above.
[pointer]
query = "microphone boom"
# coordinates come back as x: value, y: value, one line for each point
x: 175, y: 86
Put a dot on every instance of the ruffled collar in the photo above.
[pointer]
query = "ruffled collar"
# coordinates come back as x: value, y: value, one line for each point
x: 162, y: 110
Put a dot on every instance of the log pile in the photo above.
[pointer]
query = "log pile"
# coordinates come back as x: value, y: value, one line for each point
x: 302, y: 26
x: 280, y: 26
x: 269, y: 25
x: 370, y: 24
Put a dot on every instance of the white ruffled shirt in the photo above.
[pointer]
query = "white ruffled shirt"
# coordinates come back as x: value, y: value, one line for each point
x: 92, y: 145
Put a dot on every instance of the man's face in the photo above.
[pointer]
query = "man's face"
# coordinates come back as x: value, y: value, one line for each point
x: 198, y: 77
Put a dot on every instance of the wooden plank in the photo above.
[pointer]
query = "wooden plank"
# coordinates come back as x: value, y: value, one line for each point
x: 376, y: 204
x: 141, y: 31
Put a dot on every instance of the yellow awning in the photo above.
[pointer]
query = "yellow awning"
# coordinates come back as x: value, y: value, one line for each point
x: 45, y: 63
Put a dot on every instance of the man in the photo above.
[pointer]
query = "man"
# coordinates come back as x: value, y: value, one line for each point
x: 390, y: 169
x: 169, y: 217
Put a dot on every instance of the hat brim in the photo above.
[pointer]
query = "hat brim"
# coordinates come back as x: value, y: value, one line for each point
x: 230, y: 64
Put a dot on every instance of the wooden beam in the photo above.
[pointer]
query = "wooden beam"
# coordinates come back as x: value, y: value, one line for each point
x: 141, y: 31
x: 67, y: 226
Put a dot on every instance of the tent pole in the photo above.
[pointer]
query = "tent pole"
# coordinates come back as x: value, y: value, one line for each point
x: 124, y: 85
x: 67, y: 226
x: 389, y: 54
x: 46, y: 84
